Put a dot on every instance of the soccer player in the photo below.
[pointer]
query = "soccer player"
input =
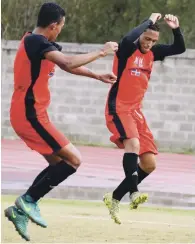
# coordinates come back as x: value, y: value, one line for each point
x: 133, y: 66
x: 33, y: 66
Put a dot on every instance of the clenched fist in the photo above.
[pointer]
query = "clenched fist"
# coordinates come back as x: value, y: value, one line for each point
x: 171, y: 21
x: 109, y: 47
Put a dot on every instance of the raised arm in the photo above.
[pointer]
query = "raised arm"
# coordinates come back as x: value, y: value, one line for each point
x: 177, y: 47
x: 133, y: 35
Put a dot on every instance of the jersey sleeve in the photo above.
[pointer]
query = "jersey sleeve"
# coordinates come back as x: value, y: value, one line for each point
x: 57, y: 46
x: 161, y: 51
x: 37, y: 45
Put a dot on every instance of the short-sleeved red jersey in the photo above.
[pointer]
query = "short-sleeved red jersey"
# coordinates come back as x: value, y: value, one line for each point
x: 128, y: 92
x: 31, y: 96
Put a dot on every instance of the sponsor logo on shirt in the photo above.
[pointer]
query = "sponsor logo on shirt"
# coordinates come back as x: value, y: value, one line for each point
x: 135, y: 72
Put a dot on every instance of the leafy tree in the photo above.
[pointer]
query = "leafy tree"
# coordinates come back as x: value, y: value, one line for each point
x: 96, y: 21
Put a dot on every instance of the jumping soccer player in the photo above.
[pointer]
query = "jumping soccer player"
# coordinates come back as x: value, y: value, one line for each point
x: 133, y: 66
x: 34, y: 64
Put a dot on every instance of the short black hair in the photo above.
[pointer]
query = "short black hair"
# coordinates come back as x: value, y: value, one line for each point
x: 50, y: 13
x: 154, y: 27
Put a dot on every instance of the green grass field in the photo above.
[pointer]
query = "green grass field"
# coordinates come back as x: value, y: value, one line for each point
x: 89, y: 222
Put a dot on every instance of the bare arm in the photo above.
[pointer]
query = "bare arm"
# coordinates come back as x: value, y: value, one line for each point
x: 83, y: 71
x: 68, y: 63
x: 71, y: 62
x: 38, y: 48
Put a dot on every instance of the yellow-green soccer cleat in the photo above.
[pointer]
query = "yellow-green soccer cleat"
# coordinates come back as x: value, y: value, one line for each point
x: 19, y: 220
x: 31, y: 209
x: 137, y: 198
x: 113, y: 207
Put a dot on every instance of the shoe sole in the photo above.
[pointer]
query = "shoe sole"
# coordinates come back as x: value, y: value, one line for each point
x: 108, y: 205
x: 139, y: 200
x: 7, y: 215
x: 30, y: 217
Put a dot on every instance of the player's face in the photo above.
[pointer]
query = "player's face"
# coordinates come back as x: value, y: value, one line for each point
x: 56, y: 28
x: 148, y: 39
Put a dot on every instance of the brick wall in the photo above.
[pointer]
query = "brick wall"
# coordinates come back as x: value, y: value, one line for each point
x: 77, y: 107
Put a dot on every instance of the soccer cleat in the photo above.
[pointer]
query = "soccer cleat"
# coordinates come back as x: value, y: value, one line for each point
x: 113, y: 207
x: 137, y: 198
x: 31, y: 209
x: 19, y: 220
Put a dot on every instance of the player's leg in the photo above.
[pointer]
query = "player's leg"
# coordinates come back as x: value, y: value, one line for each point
x: 49, y: 142
x: 148, y: 149
x: 69, y: 151
x: 17, y: 216
x: 43, y: 172
x: 68, y: 157
x: 60, y: 168
x: 112, y: 200
x: 130, y: 157
x: 132, y: 146
x: 125, y: 132
x: 28, y: 202
x: 146, y: 165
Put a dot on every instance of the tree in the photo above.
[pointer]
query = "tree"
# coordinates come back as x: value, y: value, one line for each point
x: 96, y: 21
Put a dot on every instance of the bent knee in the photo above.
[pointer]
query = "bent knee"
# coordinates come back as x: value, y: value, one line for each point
x: 148, y: 162
x: 148, y: 168
x: 151, y: 168
x: 71, y: 155
x: 76, y: 160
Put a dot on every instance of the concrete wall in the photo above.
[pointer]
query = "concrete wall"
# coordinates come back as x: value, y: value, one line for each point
x: 77, y: 107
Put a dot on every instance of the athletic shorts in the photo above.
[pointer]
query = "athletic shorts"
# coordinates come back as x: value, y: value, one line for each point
x: 131, y: 125
x: 39, y: 135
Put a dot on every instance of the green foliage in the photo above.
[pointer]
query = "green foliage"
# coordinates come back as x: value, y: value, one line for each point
x: 97, y: 21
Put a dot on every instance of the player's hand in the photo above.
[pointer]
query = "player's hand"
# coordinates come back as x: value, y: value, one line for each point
x: 171, y: 21
x: 108, y: 78
x: 109, y: 47
x: 154, y: 17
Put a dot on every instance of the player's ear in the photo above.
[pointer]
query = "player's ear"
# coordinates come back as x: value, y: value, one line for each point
x: 53, y: 26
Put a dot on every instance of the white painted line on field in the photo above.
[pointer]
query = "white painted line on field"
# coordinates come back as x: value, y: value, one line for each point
x: 99, y: 242
x: 125, y: 221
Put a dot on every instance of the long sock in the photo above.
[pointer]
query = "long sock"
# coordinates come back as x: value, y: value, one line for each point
x: 39, y: 177
x: 129, y: 184
x: 54, y: 176
x: 141, y: 174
